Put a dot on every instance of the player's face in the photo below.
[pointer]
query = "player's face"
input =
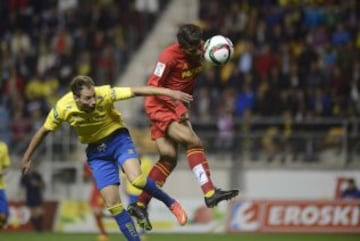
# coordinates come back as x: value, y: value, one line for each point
x: 87, y: 99
x: 194, y: 53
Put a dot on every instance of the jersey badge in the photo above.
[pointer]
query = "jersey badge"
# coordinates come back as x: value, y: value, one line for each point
x: 159, y: 69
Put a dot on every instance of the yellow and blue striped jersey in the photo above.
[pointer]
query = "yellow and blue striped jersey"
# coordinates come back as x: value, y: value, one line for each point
x: 94, y: 126
x: 4, y: 162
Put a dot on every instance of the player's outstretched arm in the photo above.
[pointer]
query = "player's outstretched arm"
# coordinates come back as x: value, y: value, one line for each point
x: 152, y: 90
x: 34, y: 143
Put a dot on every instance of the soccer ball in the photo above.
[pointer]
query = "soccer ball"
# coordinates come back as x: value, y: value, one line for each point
x: 218, y: 50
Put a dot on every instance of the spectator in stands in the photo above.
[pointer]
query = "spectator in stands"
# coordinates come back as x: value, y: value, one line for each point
x: 351, y: 191
x: 34, y: 186
x: 5, y: 123
x: 4, y: 165
x: 19, y: 127
x: 226, y: 131
x: 245, y: 100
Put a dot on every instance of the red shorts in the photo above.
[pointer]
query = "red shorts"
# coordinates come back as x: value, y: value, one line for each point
x: 162, y: 115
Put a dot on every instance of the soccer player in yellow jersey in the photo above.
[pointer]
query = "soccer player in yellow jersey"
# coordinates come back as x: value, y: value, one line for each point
x: 90, y: 110
x: 4, y: 164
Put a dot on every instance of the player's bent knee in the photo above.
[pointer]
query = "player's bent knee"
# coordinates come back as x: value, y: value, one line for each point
x: 194, y: 142
x: 116, y: 209
x: 139, y: 181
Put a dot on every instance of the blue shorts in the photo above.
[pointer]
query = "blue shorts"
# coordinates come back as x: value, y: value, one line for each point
x: 105, y: 158
x: 4, y: 206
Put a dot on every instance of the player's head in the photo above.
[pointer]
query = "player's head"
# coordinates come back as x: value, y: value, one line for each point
x: 82, y: 87
x: 189, y: 37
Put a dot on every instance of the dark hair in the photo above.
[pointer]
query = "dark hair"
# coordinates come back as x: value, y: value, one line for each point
x: 189, y: 36
x: 79, y: 82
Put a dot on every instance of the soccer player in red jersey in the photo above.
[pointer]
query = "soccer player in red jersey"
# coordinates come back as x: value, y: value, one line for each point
x: 177, y: 68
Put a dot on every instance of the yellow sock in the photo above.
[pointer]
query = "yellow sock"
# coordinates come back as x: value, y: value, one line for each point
x: 140, y: 204
x: 210, y: 193
x: 116, y: 209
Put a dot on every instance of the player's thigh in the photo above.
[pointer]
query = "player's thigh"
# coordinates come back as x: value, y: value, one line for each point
x: 167, y: 148
x: 105, y: 172
x: 131, y: 168
x: 111, y: 195
x: 183, y: 133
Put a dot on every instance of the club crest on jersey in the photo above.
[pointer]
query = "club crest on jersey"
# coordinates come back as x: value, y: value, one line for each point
x: 191, y: 72
x: 159, y: 69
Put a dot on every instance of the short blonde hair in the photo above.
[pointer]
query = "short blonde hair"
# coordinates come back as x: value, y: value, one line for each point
x: 79, y: 82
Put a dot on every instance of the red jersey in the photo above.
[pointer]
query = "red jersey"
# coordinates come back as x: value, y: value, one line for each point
x: 174, y: 71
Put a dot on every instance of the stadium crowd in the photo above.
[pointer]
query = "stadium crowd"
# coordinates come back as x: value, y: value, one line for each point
x: 295, y: 63
x: 292, y: 57
x: 44, y: 43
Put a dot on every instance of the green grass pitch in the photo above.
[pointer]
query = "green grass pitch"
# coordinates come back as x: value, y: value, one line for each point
x: 182, y: 237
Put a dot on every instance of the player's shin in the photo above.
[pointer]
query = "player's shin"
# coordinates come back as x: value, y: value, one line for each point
x: 124, y: 222
x: 159, y: 173
x: 100, y: 225
x: 200, y: 167
x: 149, y: 186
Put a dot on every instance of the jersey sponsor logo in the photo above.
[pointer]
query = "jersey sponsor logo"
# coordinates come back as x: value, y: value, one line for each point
x: 98, y: 117
x: 77, y: 118
x: 159, y: 69
x: 191, y: 72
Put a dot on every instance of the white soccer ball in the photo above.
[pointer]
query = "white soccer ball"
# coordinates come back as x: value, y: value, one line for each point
x: 218, y: 50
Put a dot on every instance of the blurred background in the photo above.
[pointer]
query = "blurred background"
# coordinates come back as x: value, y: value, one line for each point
x: 280, y: 121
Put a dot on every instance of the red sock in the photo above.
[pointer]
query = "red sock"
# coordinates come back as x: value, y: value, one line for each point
x: 200, y: 167
x: 100, y: 224
x: 159, y: 173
